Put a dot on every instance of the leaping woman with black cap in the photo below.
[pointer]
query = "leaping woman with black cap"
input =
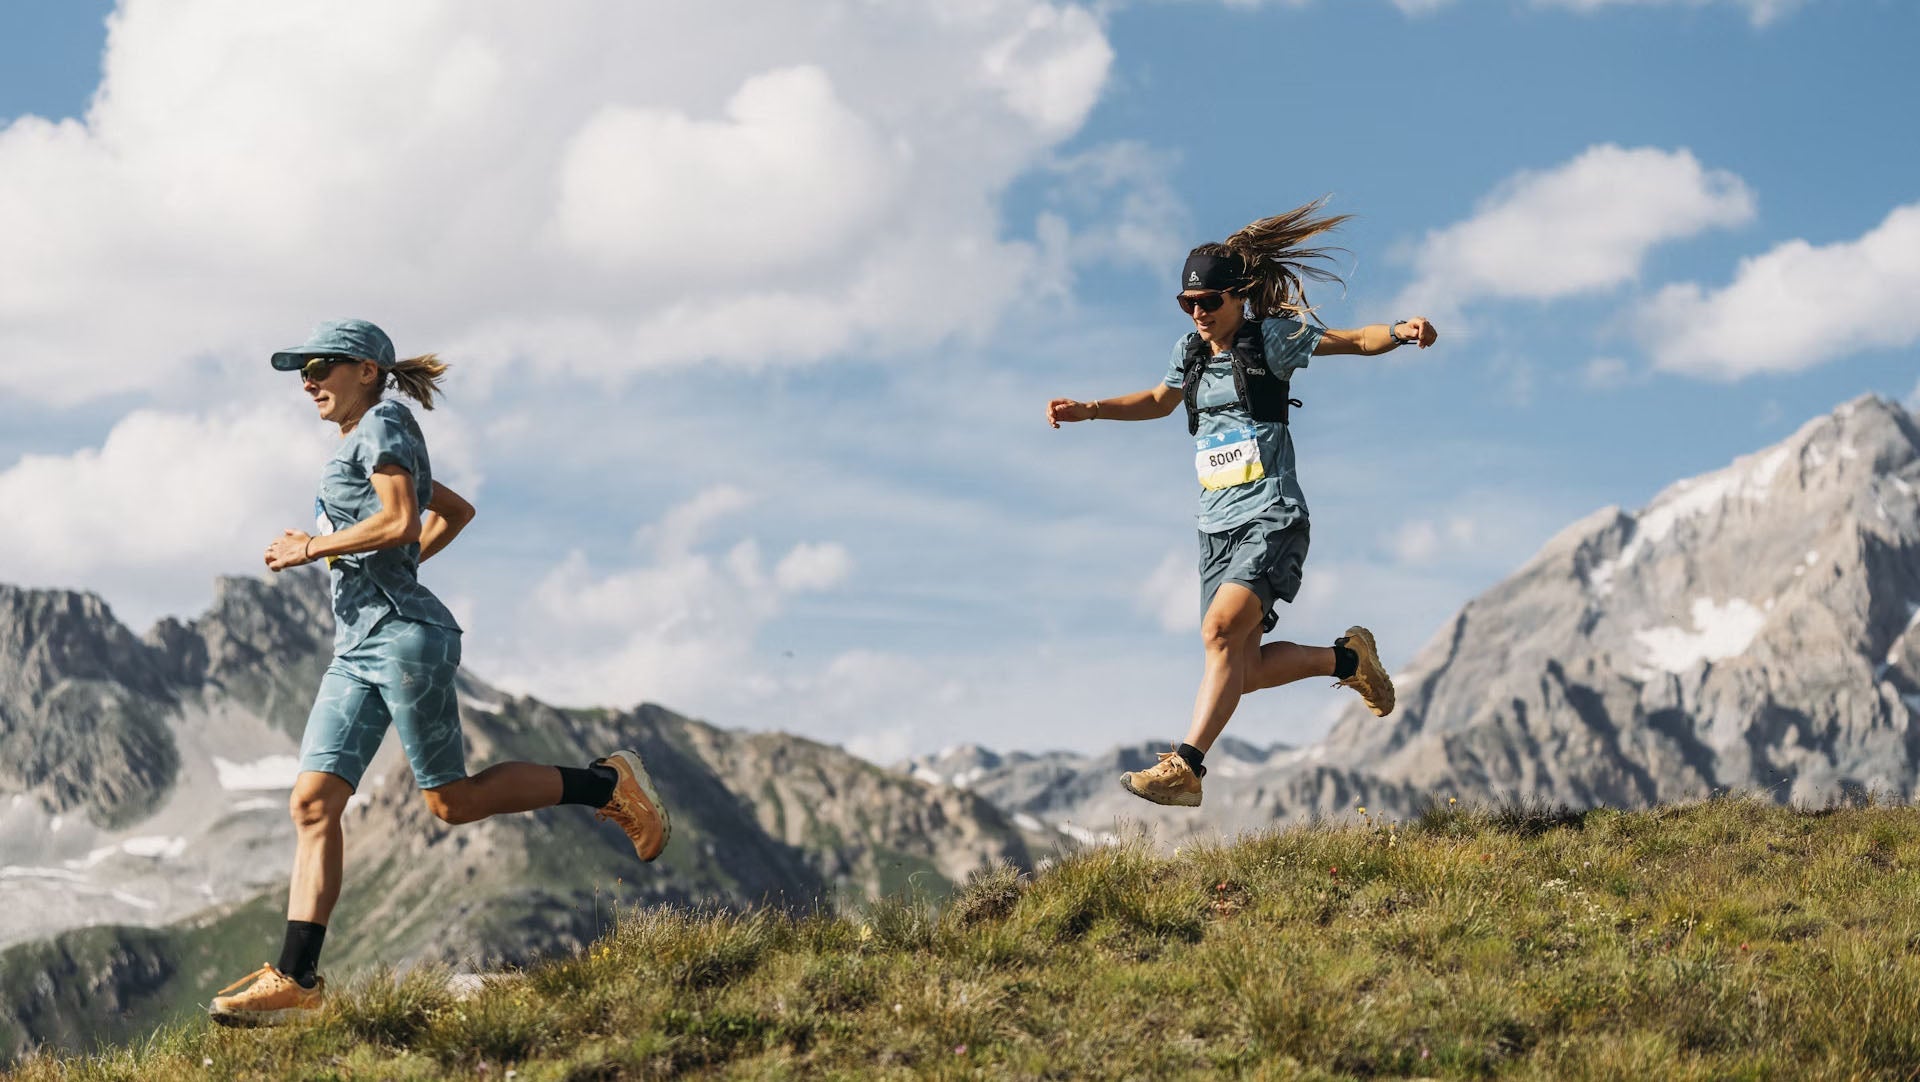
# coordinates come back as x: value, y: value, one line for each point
x: 1250, y: 335
x: 396, y: 648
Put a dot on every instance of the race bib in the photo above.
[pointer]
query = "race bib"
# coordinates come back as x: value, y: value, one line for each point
x: 1229, y: 458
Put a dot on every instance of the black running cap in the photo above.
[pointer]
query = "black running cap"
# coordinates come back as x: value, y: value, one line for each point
x: 1221, y: 272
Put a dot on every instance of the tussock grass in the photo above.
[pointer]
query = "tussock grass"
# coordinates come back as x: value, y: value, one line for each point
x: 1726, y: 939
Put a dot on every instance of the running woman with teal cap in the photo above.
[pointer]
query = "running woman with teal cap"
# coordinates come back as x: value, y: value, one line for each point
x: 1232, y: 372
x: 396, y: 655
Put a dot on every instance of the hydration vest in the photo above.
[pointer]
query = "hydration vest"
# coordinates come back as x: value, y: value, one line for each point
x: 1258, y: 391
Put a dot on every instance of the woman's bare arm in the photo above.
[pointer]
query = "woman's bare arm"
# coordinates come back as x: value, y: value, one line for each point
x: 447, y: 514
x: 1376, y: 338
x: 1148, y: 405
x: 396, y: 523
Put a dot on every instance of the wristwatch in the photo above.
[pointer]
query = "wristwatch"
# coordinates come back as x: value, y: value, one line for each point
x: 1393, y: 332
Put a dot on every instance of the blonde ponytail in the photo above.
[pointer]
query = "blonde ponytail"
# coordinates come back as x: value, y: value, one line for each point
x: 419, y: 378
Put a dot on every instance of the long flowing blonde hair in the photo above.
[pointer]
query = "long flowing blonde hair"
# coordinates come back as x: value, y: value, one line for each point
x: 417, y: 377
x: 1278, y: 263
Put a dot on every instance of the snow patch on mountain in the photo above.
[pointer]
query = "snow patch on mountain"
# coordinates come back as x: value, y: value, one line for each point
x: 271, y: 772
x: 1718, y: 632
x: 154, y: 848
x: 1749, y: 479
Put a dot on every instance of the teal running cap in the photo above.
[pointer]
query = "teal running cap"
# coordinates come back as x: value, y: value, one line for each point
x: 341, y: 338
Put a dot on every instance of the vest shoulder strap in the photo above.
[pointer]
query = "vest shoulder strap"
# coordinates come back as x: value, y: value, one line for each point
x: 1265, y: 396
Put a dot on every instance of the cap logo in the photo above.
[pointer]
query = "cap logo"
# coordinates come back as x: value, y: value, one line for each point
x: 1193, y: 278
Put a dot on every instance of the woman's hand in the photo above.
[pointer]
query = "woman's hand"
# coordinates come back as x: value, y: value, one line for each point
x: 1067, y: 409
x: 288, y: 550
x: 1419, y: 330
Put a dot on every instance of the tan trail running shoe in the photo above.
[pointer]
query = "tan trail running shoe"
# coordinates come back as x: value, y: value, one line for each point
x: 1370, y: 679
x: 635, y: 807
x: 271, y: 998
x: 1170, y: 781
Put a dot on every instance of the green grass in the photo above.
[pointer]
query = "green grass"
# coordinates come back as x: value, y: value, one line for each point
x: 1725, y: 940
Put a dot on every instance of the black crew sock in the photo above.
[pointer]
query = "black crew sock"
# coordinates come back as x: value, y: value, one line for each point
x: 1193, y: 756
x: 591, y: 785
x: 300, y: 953
x: 1345, y: 661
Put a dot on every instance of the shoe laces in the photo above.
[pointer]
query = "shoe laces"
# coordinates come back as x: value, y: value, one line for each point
x: 618, y: 817
x: 1166, y: 766
x: 266, y: 969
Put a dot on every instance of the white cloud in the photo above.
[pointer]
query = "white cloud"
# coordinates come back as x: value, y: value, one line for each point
x: 626, y: 164
x: 587, y: 186
x: 1761, y: 12
x: 1419, y: 541
x: 1171, y: 593
x: 684, y: 523
x: 1125, y: 187
x: 678, y: 627
x: 809, y: 567
x: 165, y: 502
x: 1796, y: 306
x: 1582, y: 227
x: 1605, y: 373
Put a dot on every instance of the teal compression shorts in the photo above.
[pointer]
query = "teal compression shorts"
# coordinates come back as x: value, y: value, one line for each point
x: 402, y: 675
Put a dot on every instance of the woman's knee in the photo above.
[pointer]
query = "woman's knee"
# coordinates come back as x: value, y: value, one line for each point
x: 453, y: 803
x: 317, y: 806
x: 1223, y: 633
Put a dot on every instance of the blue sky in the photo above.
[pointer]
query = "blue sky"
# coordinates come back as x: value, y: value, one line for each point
x: 753, y: 330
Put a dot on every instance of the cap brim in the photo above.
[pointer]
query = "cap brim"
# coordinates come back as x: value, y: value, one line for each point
x: 293, y: 360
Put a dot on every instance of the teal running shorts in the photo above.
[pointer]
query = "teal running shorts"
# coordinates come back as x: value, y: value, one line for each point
x: 400, y: 674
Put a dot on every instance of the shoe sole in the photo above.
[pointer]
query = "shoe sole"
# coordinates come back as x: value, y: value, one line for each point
x: 260, y: 1019
x: 645, y: 782
x: 1371, y: 657
x: 1178, y: 800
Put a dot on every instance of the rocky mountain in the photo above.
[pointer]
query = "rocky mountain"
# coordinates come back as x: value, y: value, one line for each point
x: 1058, y: 795
x: 1755, y: 628
x: 144, y: 838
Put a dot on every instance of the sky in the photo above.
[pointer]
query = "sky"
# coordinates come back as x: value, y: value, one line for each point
x: 754, y: 309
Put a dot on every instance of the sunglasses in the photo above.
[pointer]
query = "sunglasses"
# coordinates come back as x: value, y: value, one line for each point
x: 320, y: 368
x: 1206, y: 302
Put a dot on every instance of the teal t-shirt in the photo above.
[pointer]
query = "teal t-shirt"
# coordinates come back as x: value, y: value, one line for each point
x: 1245, y: 466
x: 370, y: 585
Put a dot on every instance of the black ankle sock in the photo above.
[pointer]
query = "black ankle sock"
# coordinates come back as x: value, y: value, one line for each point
x: 1345, y: 661
x: 591, y: 785
x: 300, y: 953
x: 1193, y: 756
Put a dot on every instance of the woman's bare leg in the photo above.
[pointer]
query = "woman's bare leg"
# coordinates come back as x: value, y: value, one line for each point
x: 1278, y: 663
x: 319, y: 799
x: 1232, y: 624
x: 501, y: 789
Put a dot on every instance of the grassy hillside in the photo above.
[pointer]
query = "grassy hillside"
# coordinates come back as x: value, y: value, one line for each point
x: 1731, y: 939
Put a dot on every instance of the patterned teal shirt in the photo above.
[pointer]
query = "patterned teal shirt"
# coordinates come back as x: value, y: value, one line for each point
x: 1222, y: 509
x: 370, y: 585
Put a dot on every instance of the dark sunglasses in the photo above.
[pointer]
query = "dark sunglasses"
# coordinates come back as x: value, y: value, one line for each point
x: 1206, y: 302
x: 320, y: 368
